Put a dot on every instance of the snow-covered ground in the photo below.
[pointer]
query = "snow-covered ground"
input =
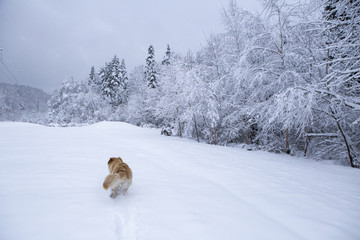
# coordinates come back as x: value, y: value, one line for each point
x: 51, y: 188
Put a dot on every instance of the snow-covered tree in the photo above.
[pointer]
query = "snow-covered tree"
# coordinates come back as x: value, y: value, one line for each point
x: 94, y: 80
x: 75, y: 103
x: 113, y: 84
x: 150, y: 69
x: 339, y: 89
x: 136, y: 100
x: 166, y: 60
x: 92, y: 76
x: 124, y: 82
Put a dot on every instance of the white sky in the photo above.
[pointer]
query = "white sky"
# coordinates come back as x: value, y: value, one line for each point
x: 47, y: 41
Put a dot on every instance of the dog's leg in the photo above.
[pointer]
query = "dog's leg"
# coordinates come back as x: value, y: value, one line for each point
x: 114, y: 193
x: 126, y: 186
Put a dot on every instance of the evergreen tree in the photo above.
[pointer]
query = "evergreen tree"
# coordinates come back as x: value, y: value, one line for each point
x: 111, y: 82
x: 123, y: 81
x: 150, y: 69
x: 94, y: 81
x: 92, y: 76
x: 167, y: 56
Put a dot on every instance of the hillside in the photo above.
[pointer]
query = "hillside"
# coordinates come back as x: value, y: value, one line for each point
x: 51, y: 188
x: 21, y: 103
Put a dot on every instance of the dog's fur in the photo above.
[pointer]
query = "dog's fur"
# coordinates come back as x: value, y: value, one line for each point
x: 120, y: 177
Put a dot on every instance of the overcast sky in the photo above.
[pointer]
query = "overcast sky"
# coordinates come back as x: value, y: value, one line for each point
x: 47, y: 41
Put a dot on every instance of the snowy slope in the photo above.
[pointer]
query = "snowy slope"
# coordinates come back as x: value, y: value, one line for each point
x: 51, y: 188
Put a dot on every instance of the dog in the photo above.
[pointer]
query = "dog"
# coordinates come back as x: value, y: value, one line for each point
x: 120, y: 177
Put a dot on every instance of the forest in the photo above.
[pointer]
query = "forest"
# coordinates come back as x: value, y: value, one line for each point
x: 285, y: 80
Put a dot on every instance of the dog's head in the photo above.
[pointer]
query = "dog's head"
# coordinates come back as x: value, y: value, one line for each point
x: 112, y: 159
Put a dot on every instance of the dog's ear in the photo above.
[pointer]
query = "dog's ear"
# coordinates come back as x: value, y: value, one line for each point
x: 111, y: 160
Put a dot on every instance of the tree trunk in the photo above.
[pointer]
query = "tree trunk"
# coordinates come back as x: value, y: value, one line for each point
x: 306, y: 145
x: 215, y: 137
x: 346, y: 143
x: 327, y: 64
x: 180, y: 130
x: 348, y: 148
x: 246, y: 136
x: 196, y: 129
x: 287, y: 146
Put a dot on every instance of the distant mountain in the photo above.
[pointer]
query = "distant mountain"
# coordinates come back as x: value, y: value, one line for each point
x: 22, y: 103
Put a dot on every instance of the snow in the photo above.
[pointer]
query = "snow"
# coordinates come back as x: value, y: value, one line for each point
x: 51, y: 188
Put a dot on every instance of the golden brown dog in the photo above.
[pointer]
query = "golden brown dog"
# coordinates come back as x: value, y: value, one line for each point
x: 120, y: 177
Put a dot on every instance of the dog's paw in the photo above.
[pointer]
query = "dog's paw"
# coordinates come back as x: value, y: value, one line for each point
x: 113, y: 195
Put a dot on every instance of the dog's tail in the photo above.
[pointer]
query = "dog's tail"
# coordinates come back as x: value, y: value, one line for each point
x: 110, y: 180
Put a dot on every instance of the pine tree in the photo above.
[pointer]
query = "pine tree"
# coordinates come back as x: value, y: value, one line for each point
x: 167, y: 56
x: 150, y: 69
x: 111, y: 82
x: 94, y: 81
x: 123, y: 81
x: 92, y: 76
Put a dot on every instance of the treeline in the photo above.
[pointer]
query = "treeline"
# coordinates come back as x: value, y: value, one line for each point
x: 287, y: 80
